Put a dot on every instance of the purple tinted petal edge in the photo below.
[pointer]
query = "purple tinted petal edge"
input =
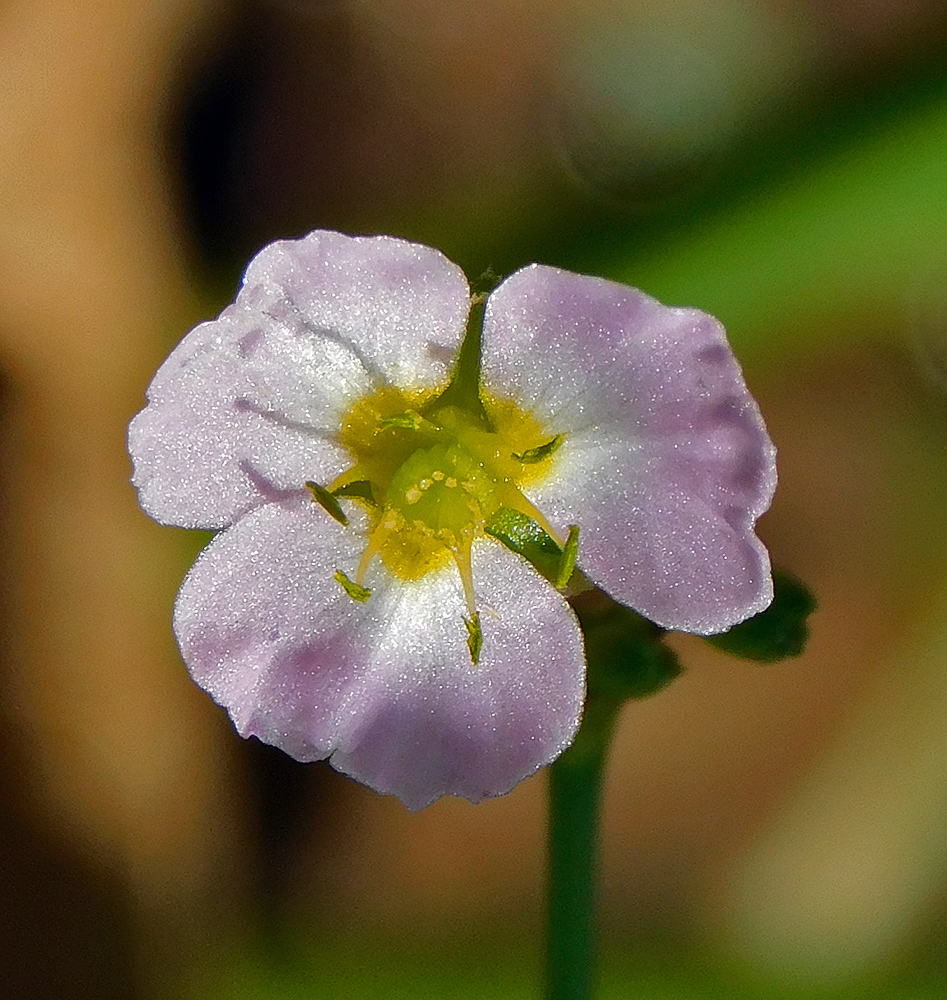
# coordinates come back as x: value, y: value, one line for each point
x: 386, y: 689
x: 248, y: 406
x: 666, y: 462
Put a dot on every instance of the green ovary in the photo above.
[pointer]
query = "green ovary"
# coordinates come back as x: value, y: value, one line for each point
x: 437, y: 475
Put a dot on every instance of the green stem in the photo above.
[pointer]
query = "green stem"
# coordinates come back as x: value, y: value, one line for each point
x: 575, y: 795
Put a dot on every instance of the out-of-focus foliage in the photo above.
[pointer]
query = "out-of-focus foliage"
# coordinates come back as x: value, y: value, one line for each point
x: 779, y: 632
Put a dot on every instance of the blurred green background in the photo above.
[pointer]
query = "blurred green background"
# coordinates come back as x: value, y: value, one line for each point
x: 769, y: 831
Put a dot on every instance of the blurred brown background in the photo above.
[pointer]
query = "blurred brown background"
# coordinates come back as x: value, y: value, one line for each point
x: 778, y: 163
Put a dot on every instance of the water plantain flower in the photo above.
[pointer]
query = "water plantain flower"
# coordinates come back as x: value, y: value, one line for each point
x: 352, y: 447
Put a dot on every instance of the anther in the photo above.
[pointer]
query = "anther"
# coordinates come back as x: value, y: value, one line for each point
x: 328, y: 502
x: 354, y: 590
x: 474, y: 637
x: 534, y: 455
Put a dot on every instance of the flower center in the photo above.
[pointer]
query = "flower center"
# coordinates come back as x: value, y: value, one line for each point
x: 432, y: 475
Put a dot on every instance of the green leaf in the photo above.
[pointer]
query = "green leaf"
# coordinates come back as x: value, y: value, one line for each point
x: 779, y: 632
x: 626, y: 654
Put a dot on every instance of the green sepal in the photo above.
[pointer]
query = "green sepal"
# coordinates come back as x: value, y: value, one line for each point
x: 522, y: 535
x: 361, y: 489
x: 328, y: 502
x: 474, y: 637
x: 779, y: 632
x: 481, y: 287
x: 627, y: 656
x: 533, y: 455
x: 568, y: 557
x: 354, y: 590
x: 463, y: 390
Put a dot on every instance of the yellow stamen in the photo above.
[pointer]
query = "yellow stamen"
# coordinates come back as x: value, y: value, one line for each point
x: 462, y: 558
x: 410, y: 454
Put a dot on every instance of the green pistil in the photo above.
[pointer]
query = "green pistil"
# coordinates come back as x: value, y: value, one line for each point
x: 437, y: 472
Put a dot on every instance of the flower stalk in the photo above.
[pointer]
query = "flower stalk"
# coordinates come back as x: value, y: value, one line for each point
x: 576, y: 783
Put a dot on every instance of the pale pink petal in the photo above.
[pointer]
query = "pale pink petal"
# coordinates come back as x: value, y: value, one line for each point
x: 385, y: 689
x: 666, y: 463
x: 248, y: 406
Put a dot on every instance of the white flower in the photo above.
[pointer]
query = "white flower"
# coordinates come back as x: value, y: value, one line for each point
x: 368, y: 616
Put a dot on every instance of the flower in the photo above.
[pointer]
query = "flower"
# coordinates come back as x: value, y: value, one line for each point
x: 351, y: 447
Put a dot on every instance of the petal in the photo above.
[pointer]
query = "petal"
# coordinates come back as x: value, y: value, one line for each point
x: 248, y: 406
x: 666, y: 463
x: 217, y: 438
x: 387, y: 688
